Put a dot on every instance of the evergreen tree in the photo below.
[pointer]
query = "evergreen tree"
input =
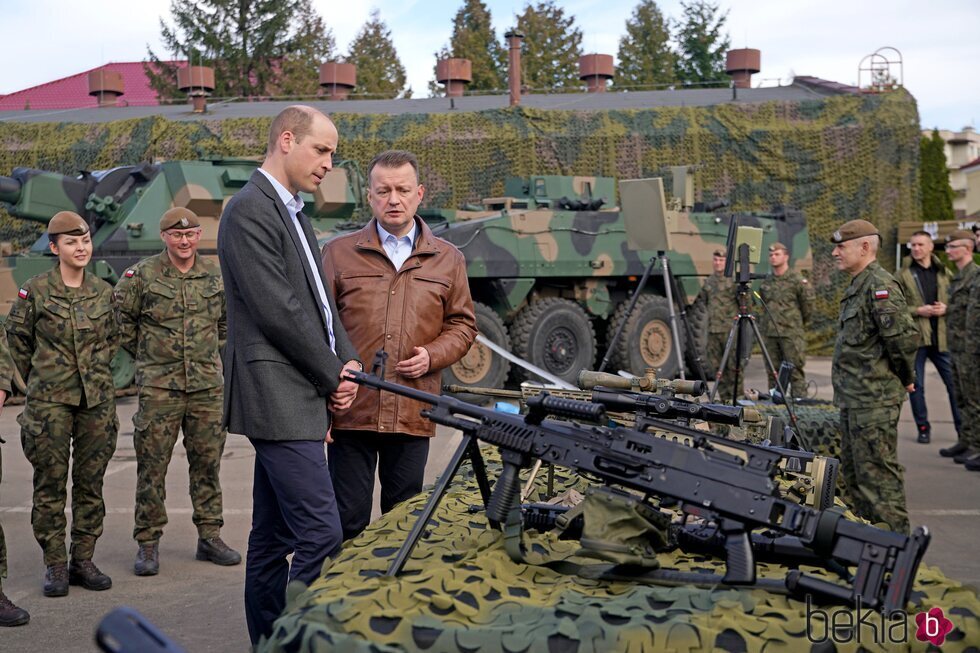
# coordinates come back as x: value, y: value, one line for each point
x: 701, y: 44
x: 313, y: 44
x: 247, y: 42
x: 937, y: 194
x: 552, y: 47
x: 379, y: 71
x: 645, y: 57
x: 474, y: 39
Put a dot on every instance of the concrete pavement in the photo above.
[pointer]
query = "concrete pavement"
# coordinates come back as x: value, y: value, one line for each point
x: 200, y: 604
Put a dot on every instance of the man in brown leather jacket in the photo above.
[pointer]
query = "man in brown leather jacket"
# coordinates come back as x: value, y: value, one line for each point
x: 401, y: 289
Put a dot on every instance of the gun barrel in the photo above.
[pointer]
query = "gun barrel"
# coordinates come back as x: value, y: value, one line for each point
x: 588, y: 379
x: 483, y: 392
x: 9, y: 190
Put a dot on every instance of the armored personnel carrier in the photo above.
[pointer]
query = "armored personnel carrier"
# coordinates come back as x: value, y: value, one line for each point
x: 550, y: 265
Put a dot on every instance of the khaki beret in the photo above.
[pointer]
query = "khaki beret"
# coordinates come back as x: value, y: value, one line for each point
x: 854, y: 229
x: 179, y: 218
x: 776, y: 246
x: 718, y: 252
x: 67, y: 222
x: 959, y: 234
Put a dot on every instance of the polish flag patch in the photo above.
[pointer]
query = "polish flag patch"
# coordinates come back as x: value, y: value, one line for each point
x: 881, y: 294
x: 129, y: 274
x: 22, y: 293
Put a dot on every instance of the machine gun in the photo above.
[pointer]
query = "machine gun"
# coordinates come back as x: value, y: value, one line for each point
x: 706, y: 483
x: 813, y: 477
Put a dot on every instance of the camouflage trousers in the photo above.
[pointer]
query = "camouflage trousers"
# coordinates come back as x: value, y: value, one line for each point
x: 3, y: 542
x: 162, y: 414
x: 869, y: 463
x: 966, y: 386
x: 53, y: 436
x: 715, y: 351
x: 791, y: 350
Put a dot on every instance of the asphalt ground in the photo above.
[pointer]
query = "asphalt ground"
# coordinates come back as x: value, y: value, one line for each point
x: 200, y: 604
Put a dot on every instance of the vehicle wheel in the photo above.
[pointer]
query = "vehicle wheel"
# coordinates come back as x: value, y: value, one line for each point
x: 480, y: 366
x: 123, y: 369
x: 555, y: 335
x: 647, y: 340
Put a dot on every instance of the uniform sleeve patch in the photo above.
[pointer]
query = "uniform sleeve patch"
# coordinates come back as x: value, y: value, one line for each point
x: 129, y: 273
x: 22, y: 293
x: 881, y: 294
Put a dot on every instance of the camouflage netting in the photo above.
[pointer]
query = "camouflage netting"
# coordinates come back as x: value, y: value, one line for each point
x: 461, y: 592
x: 838, y: 158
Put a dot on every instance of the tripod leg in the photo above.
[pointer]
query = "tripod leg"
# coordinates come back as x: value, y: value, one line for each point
x: 435, y: 498
x: 724, y: 360
x: 665, y: 269
x: 775, y: 375
x: 636, y: 295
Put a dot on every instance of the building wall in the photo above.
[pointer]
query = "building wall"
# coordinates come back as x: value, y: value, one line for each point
x: 962, y: 148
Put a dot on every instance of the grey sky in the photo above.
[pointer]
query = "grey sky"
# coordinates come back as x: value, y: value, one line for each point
x: 48, y: 39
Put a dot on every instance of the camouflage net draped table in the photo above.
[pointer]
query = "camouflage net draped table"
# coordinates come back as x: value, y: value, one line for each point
x: 461, y: 592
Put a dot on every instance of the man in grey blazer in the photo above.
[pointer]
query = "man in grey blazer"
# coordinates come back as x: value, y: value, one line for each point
x: 283, y: 362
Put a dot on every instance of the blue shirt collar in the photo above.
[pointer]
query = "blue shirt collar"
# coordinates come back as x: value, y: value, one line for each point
x: 384, y: 233
x: 291, y: 201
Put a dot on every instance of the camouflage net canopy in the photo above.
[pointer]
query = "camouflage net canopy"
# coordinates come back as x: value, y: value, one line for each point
x: 461, y: 592
x: 836, y: 158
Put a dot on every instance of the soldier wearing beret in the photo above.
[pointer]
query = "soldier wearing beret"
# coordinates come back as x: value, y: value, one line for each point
x: 872, y: 373
x: 10, y: 614
x: 62, y: 334
x: 788, y: 301
x: 963, y: 329
x: 718, y: 298
x: 172, y: 320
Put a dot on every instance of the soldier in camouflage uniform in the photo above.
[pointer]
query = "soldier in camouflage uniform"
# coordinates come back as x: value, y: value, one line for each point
x: 10, y: 614
x: 718, y: 298
x: 962, y: 316
x: 62, y: 333
x: 172, y: 320
x: 872, y: 373
x: 788, y: 301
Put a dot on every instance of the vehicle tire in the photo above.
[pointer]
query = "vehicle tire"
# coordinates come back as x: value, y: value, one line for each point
x: 480, y: 366
x: 647, y: 339
x: 555, y: 335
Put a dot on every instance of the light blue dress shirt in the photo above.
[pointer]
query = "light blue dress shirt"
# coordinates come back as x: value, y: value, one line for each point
x: 397, y: 249
x: 293, y: 206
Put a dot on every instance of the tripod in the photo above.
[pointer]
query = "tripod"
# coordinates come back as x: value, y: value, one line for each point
x: 743, y: 277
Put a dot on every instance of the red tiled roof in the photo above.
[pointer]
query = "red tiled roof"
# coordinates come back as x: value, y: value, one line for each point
x: 72, y: 92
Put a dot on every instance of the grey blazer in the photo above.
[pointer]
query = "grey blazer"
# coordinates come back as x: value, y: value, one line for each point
x: 278, y: 366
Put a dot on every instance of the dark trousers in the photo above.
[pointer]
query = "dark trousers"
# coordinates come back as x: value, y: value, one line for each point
x: 354, y: 455
x: 294, y: 511
x: 917, y: 399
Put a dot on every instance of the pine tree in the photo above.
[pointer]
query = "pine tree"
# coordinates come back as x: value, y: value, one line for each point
x: 552, y: 47
x: 248, y: 43
x: 379, y: 71
x: 312, y: 45
x: 645, y: 57
x: 701, y: 44
x: 473, y: 38
x: 937, y: 194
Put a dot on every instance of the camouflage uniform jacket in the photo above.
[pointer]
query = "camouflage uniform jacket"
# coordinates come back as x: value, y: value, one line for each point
x: 913, y: 295
x: 876, y: 342
x: 789, y: 299
x: 62, y: 339
x: 718, y: 295
x: 173, y: 323
x: 961, y: 323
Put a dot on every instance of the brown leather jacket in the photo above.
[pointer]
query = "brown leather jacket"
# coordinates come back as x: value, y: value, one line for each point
x: 426, y: 303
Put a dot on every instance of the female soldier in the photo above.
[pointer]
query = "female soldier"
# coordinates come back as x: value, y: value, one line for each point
x: 62, y: 334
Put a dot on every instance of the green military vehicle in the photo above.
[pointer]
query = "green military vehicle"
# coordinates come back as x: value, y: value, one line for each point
x: 550, y: 265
